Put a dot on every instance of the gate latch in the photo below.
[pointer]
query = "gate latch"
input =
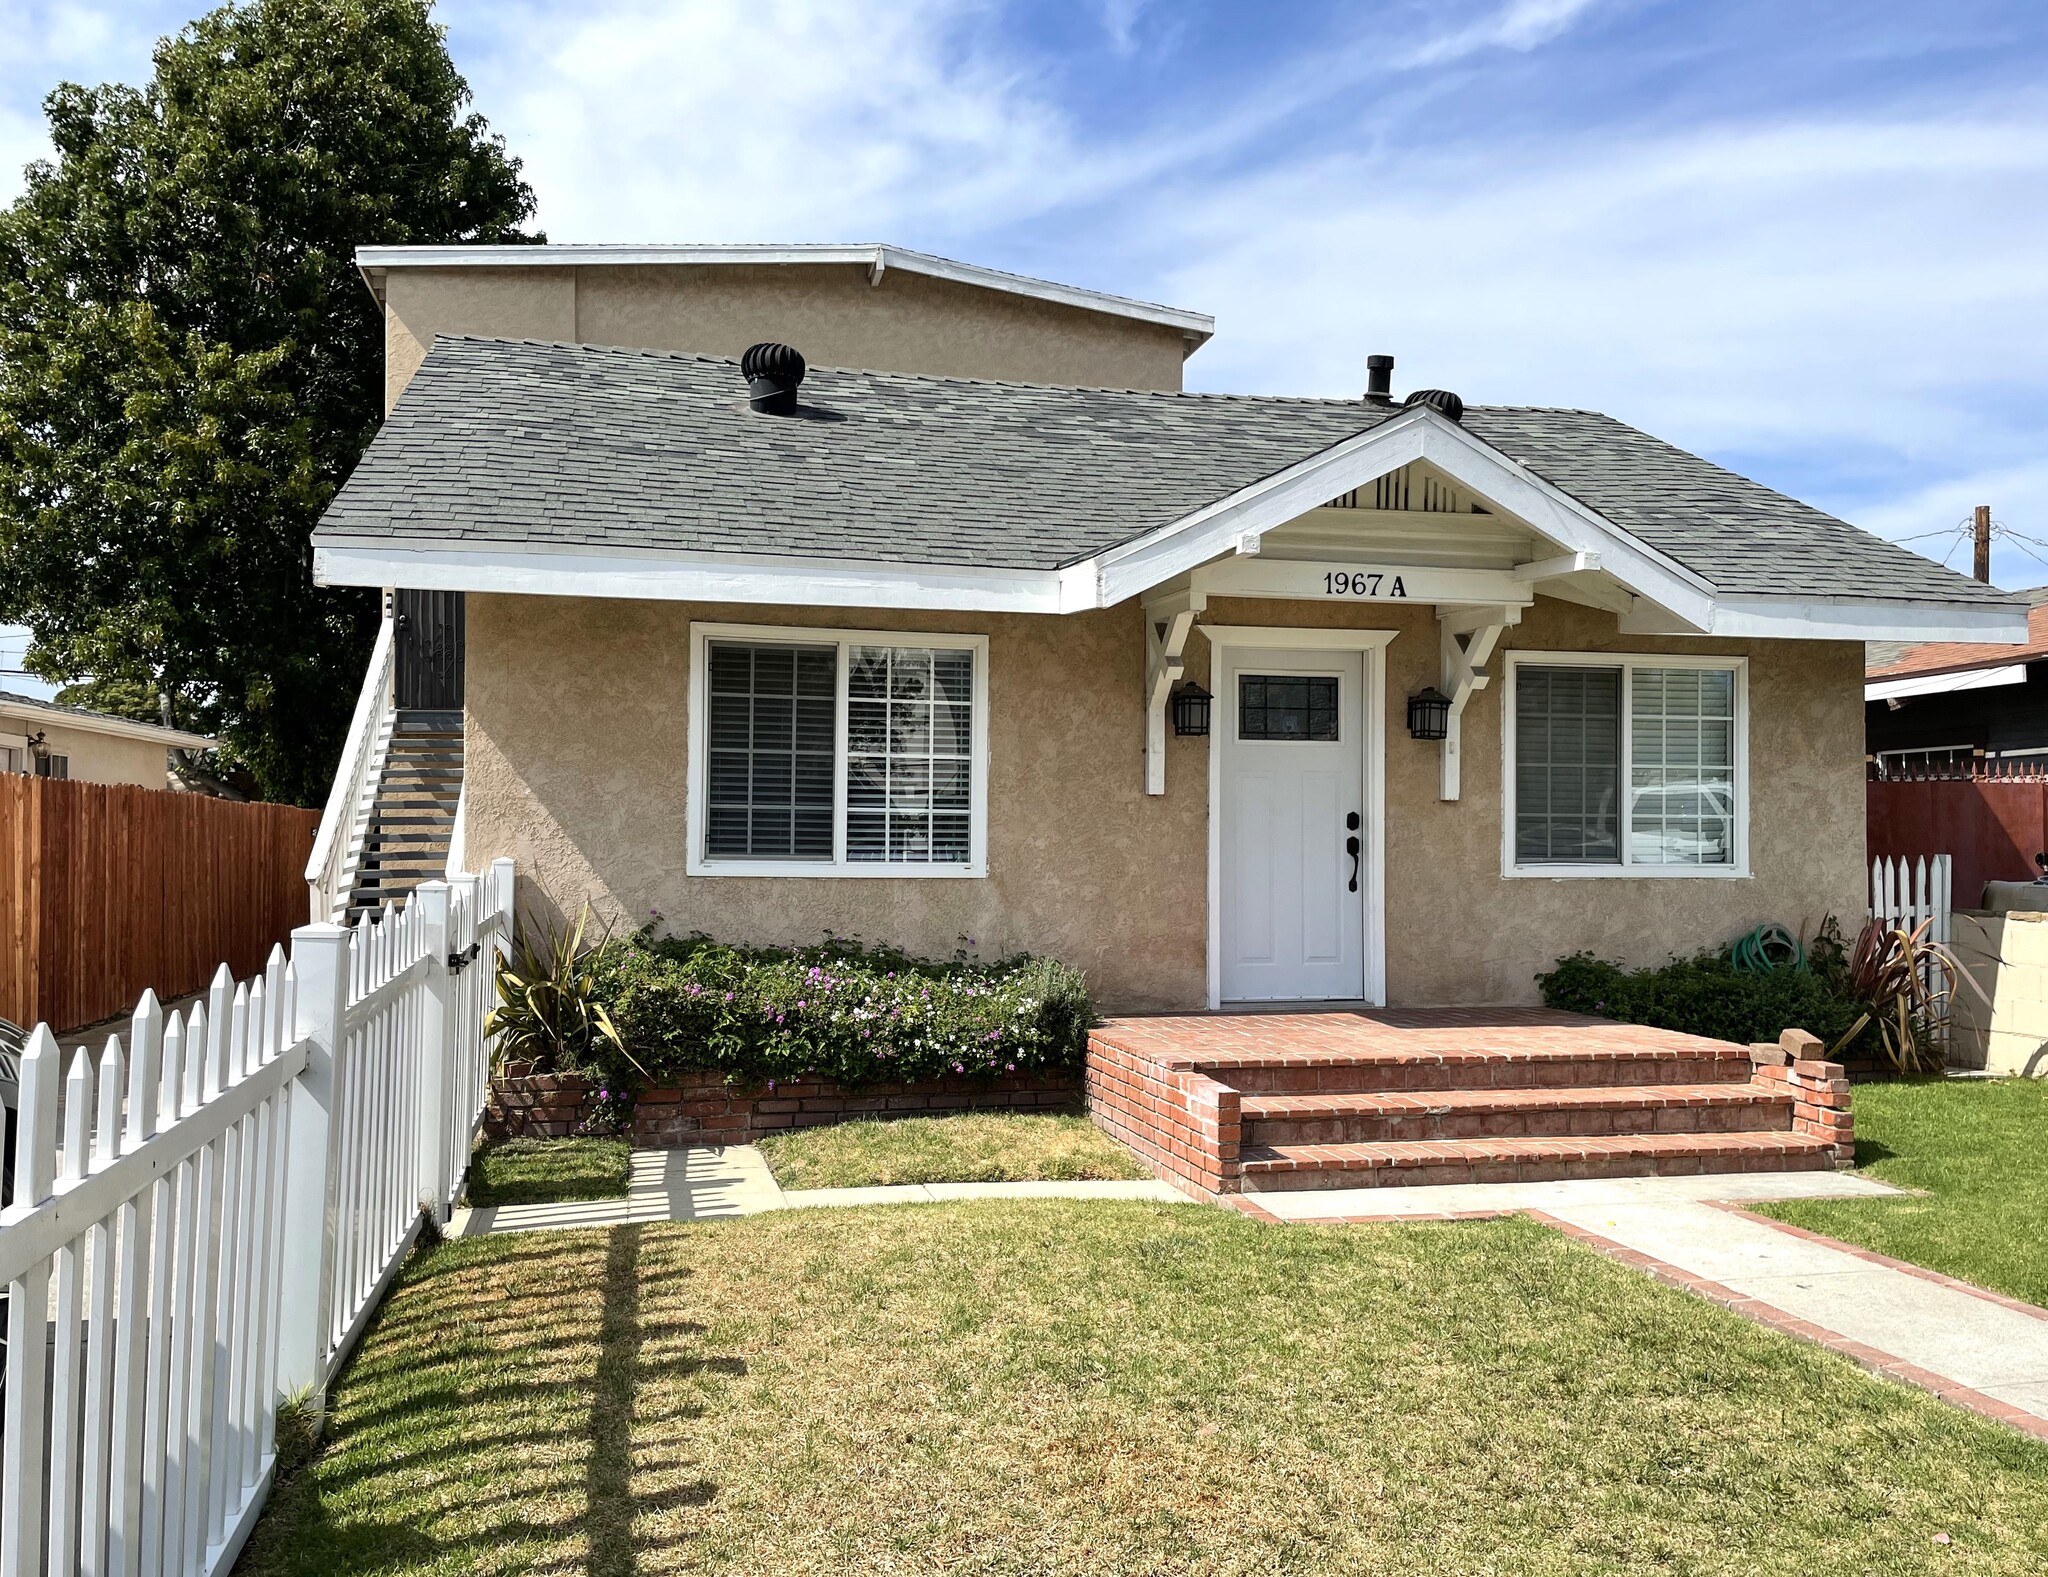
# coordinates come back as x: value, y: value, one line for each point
x: 457, y: 962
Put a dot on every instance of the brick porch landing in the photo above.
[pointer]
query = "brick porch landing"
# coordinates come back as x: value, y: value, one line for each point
x: 1225, y: 1103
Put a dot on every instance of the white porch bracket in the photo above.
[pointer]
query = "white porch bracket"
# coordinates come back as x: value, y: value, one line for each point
x: 1168, y: 621
x: 1466, y: 637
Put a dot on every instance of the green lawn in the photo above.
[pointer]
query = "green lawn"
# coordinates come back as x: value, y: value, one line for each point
x: 974, y: 1147
x: 1052, y: 1388
x: 1979, y: 1148
x: 535, y: 1171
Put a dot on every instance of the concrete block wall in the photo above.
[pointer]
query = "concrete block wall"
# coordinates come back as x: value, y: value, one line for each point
x: 2007, y: 956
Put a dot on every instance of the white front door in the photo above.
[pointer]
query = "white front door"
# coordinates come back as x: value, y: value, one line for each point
x: 1293, y: 835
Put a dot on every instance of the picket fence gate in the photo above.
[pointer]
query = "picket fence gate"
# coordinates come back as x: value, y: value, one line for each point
x: 217, y: 1219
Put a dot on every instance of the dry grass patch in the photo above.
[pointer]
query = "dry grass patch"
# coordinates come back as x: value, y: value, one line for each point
x: 973, y: 1147
x: 1052, y: 1388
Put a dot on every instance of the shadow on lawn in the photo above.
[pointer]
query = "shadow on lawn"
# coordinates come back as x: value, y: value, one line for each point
x: 613, y: 1506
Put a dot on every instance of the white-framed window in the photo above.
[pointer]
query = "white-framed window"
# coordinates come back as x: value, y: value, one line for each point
x: 1625, y: 765
x: 820, y: 752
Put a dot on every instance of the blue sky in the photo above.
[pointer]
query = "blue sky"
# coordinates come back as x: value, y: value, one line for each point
x: 1809, y: 240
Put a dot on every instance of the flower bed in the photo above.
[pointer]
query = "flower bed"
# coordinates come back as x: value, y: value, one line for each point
x: 850, y: 1016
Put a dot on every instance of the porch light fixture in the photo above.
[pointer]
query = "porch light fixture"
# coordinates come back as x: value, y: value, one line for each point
x: 1429, y: 714
x: 1191, y: 710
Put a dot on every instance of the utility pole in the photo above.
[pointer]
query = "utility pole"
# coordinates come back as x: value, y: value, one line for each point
x: 1983, y: 524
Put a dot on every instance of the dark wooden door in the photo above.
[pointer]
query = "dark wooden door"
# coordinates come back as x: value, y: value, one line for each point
x: 430, y: 651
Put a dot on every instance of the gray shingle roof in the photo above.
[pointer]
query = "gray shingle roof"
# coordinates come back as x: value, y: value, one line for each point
x: 522, y: 442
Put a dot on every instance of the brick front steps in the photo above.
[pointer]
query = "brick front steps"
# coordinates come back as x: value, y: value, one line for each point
x: 1229, y: 1103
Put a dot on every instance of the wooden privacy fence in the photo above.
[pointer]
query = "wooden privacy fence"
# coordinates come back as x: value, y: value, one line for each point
x: 107, y: 890
x: 204, y: 1222
x: 1991, y: 816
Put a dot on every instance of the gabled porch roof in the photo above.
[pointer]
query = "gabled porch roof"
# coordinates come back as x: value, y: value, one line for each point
x: 577, y: 470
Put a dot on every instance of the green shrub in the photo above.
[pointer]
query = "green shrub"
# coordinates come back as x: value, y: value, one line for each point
x: 1705, y: 995
x: 846, y: 1013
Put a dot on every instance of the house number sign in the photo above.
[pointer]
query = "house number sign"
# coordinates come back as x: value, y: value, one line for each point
x: 1363, y: 583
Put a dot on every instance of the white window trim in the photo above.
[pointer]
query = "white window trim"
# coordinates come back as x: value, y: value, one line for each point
x: 1737, y: 870
x: 697, y: 863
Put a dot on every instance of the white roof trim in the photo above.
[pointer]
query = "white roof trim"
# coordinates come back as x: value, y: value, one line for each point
x: 877, y: 257
x: 1858, y: 619
x: 1946, y: 684
x: 689, y: 577
x: 55, y: 714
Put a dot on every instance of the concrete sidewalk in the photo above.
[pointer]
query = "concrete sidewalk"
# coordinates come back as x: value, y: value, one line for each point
x: 705, y: 1182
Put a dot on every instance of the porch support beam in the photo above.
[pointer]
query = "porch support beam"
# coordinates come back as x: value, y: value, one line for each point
x: 1551, y: 569
x: 1168, y: 621
x: 1466, y: 637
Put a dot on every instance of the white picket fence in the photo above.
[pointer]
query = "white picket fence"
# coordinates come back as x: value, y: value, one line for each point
x: 1904, y: 895
x: 216, y: 1221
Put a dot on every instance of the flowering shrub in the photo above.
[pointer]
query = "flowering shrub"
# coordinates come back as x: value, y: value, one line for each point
x: 610, y: 1113
x: 843, y: 1012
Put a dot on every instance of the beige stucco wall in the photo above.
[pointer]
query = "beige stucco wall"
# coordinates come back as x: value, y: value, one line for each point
x: 96, y: 758
x: 576, y: 768
x: 907, y: 323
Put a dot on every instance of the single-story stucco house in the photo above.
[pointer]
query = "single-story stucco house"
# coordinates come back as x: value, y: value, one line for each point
x: 50, y: 739
x: 962, y: 619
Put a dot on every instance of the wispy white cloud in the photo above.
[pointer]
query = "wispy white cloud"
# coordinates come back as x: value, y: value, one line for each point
x: 1517, y: 25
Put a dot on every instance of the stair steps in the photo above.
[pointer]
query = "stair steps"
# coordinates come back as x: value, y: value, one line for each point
x: 404, y: 838
x: 1398, y: 1098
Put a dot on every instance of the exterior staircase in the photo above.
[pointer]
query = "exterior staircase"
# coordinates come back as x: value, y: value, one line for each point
x: 1250, y: 1102
x: 404, y: 828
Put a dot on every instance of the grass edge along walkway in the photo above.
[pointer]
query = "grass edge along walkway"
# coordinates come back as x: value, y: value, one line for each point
x: 1058, y: 1389
x: 1972, y: 1151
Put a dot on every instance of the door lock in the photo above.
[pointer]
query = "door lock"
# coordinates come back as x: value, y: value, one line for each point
x: 1352, y: 822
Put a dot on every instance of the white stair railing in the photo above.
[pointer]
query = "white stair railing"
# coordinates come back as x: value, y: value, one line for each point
x: 337, y: 847
x: 205, y: 1220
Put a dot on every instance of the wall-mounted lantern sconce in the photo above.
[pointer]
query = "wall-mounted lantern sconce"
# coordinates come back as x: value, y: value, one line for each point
x: 1429, y: 714
x: 1191, y: 710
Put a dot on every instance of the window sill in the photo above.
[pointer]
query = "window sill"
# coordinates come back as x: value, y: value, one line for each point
x: 1686, y: 873
x: 826, y: 870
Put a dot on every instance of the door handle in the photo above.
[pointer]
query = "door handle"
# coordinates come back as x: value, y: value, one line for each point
x: 1351, y: 847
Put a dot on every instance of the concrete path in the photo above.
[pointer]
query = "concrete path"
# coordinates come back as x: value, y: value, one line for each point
x: 1499, y: 1199
x: 704, y: 1182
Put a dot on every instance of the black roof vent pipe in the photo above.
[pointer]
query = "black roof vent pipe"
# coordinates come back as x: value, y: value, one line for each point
x: 1442, y: 401
x: 1379, y: 380
x: 772, y: 372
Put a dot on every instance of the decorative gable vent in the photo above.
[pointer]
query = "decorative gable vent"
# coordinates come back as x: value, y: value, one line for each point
x: 1413, y: 488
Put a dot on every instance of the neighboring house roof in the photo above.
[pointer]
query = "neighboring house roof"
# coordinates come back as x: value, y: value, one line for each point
x: 875, y: 256
x: 32, y: 711
x: 1904, y: 659
x: 567, y: 447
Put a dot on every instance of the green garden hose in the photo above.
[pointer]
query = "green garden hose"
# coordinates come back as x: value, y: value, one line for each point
x: 1766, y: 948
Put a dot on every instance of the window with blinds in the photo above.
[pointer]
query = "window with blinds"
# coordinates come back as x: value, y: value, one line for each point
x: 1567, y: 765
x: 840, y: 755
x: 770, y: 743
x: 1675, y: 731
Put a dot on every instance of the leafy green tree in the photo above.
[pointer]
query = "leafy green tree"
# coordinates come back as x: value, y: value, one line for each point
x: 190, y: 364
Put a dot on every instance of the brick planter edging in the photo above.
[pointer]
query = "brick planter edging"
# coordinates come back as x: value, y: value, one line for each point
x: 704, y: 1109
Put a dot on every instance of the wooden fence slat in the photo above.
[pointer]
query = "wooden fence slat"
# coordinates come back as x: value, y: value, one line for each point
x: 108, y: 890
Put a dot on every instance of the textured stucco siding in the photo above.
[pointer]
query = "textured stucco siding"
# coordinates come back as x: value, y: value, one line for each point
x: 576, y: 768
x: 907, y: 323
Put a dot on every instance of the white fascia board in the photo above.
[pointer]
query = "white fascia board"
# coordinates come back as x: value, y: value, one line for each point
x: 689, y: 578
x: 1946, y: 684
x: 877, y: 257
x: 34, y: 718
x: 1873, y: 619
x: 1416, y: 434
